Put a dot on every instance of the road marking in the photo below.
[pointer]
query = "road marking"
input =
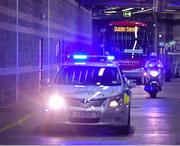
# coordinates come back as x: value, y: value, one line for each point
x: 18, y: 122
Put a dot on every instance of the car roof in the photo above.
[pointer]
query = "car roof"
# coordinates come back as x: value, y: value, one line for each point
x: 95, y: 64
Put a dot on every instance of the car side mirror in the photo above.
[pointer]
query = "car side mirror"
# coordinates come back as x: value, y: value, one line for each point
x: 131, y: 83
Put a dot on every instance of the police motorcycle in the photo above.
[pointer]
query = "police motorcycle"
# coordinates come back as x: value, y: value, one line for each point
x: 153, y: 78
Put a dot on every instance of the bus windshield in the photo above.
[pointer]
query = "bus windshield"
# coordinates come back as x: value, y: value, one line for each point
x: 126, y: 40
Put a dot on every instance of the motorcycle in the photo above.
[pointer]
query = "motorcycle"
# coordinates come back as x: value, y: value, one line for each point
x: 152, y: 79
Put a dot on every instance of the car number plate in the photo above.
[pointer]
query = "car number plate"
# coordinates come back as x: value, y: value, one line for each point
x: 83, y: 115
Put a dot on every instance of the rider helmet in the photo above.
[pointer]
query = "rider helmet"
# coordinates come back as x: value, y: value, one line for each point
x: 153, y: 56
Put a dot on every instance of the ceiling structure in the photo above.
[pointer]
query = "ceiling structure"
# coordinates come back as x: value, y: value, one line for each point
x: 116, y: 7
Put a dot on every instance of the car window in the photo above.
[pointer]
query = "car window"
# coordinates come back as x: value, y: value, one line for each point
x: 88, y: 75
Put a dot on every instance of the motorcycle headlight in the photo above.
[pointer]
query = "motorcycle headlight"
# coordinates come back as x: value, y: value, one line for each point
x: 56, y: 102
x: 154, y: 73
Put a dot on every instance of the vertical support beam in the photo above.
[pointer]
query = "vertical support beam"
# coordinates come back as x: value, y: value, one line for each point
x: 57, y: 56
x: 48, y: 50
x: 17, y: 49
x: 40, y: 64
x: 61, y: 52
x: 169, y: 27
x: 159, y: 5
x: 156, y: 33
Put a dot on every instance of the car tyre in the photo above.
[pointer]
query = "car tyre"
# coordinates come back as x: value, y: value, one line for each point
x: 125, y: 129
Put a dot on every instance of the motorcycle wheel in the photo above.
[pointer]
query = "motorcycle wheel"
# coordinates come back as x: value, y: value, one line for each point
x: 153, y: 94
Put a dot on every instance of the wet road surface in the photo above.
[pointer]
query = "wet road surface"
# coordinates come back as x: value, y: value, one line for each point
x: 153, y: 121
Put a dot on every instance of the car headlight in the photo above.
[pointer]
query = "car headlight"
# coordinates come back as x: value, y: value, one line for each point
x: 119, y: 101
x: 154, y: 73
x: 56, y: 102
x: 113, y: 103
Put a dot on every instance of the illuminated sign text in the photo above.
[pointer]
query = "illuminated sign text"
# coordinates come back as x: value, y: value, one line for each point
x: 125, y: 29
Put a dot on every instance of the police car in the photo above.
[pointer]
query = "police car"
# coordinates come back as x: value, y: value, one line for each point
x: 89, y: 93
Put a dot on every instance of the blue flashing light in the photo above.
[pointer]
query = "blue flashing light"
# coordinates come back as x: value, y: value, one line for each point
x: 80, y: 63
x: 80, y: 57
x: 151, y: 65
x: 110, y: 58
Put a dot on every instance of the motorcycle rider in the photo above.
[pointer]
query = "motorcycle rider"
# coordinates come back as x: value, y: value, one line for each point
x: 154, y: 62
x: 153, y: 59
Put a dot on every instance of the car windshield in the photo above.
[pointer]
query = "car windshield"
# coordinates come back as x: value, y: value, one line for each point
x: 88, y: 75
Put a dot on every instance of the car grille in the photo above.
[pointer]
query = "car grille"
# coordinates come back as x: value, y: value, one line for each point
x: 82, y: 102
x: 84, y: 120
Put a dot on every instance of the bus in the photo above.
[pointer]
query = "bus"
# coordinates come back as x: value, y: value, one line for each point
x: 128, y: 42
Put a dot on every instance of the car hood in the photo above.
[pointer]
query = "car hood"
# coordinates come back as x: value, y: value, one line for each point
x: 88, y: 92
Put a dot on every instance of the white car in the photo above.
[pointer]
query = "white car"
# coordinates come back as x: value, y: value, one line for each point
x: 89, y: 94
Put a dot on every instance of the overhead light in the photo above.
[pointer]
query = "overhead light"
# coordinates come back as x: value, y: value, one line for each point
x: 141, y: 11
x: 160, y: 35
x: 112, y: 8
x: 128, y: 9
x: 167, y: 10
x: 110, y: 12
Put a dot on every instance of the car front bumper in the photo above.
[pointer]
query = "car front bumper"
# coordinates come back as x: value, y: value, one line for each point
x: 89, y: 116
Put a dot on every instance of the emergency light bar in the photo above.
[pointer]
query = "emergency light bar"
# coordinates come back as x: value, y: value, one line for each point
x: 110, y: 58
x: 83, y: 57
x: 79, y: 57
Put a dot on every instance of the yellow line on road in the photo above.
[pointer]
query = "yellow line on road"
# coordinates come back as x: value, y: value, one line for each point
x: 18, y: 122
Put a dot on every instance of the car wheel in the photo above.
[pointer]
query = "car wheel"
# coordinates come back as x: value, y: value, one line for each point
x: 125, y: 129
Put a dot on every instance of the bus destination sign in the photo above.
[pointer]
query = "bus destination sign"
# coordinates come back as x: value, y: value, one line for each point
x: 125, y: 29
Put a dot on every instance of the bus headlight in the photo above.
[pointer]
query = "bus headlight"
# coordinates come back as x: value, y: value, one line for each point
x: 56, y: 102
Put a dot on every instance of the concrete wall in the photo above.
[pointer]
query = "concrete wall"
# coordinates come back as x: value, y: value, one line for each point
x: 23, y: 23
